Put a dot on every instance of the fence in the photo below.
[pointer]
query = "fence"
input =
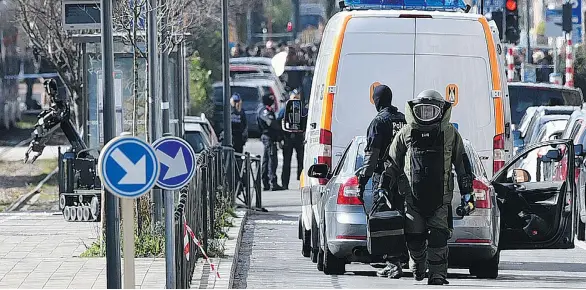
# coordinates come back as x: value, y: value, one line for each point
x: 221, y: 177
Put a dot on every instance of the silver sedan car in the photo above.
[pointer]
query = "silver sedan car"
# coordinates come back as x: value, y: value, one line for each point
x: 475, y: 237
x: 342, y: 220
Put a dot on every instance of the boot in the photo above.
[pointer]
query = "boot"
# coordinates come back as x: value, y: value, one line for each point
x: 437, y: 281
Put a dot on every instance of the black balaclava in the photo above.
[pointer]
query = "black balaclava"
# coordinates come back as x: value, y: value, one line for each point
x: 268, y: 100
x: 382, y: 97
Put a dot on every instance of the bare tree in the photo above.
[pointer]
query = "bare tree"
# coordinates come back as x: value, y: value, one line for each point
x: 41, y: 21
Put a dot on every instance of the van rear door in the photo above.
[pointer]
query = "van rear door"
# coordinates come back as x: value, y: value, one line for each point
x: 375, y: 49
x: 451, y: 56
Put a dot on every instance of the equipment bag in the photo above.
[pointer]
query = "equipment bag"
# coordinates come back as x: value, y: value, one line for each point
x: 385, y: 230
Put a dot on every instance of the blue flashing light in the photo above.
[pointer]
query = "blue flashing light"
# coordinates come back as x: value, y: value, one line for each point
x: 441, y: 5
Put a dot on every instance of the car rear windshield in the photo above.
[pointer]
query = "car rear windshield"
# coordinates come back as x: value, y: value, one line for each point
x: 196, y: 140
x: 248, y: 94
x: 523, y: 97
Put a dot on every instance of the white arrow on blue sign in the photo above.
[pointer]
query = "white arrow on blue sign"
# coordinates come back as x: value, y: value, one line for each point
x: 177, y: 162
x: 128, y: 167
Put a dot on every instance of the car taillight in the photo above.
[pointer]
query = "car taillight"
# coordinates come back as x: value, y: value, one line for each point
x: 348, y: 193
x: 325, y: 151
x: 481, y: 193
x: 498, y: 153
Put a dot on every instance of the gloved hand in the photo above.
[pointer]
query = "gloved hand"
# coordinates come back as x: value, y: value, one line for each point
x: 467, y: 205
x: 362, y: 181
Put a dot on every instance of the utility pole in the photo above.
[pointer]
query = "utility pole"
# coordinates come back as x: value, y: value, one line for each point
x: 296, y: 27
x: 168, y: 195
x: 529, y: 55
x: 112, y: 215
x: 156, y: 196
x: 226, y: 76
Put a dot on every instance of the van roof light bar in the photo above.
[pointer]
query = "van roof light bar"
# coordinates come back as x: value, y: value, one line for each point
x: 424, y: 5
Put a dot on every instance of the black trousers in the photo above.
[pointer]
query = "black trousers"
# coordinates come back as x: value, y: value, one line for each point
x: 269, y: 161
x: 238, y: 145
x: 290, y: 145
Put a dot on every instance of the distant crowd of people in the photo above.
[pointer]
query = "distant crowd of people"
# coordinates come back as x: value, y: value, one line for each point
x: 306, y: 54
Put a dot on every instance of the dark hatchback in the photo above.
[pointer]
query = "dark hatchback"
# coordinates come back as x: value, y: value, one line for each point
x: 525, y: 95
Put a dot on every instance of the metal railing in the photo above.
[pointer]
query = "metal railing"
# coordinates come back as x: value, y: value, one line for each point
x: 218, y: 181
x: 248, y: 169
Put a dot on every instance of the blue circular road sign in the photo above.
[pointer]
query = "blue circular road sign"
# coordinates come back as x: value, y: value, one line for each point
x: 177, y: 162
x: 128, y: 167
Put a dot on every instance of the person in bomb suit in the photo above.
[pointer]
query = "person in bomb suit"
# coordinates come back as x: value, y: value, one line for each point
x: 425, y: 150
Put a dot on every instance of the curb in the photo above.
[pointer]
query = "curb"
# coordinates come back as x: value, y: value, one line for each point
x: 237, y: 250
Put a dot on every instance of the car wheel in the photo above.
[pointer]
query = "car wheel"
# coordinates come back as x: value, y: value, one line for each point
x: 332, y: 264
x: 314, y: 241
x: 487, y: 269
x: 581, y: 231
x: 320, y: 260
x: 305, y: 240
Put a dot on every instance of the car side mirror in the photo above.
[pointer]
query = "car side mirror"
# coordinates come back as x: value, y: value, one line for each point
x: 521, y: 175
x: 318, y: 170
x: 553, y: 155
x: 292, y: 121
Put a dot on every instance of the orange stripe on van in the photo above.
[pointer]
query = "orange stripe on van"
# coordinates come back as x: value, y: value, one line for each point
x: 496, y: 77
x: 326, y: 117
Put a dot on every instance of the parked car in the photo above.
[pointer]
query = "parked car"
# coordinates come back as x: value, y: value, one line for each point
x: 530, y: 115
x: 196, y: 136
x: 538, y: 121
x: 576, y: 130
x: 251, y: 93
x: 206, y: 126
x: 513, y: 211
x: 525, y: 95
x: 269, y: 86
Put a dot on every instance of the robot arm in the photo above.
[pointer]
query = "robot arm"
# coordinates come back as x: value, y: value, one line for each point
x: 58, y: 115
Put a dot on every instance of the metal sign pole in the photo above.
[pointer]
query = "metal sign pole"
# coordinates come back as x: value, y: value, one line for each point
x: 153, y: 70
x: 112, y: 217
x: 128, y: 230
x: 226, y: 75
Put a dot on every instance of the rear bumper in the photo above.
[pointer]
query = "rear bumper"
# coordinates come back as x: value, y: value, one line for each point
x: 464, y: 255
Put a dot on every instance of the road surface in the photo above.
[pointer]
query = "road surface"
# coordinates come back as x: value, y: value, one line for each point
x: 270, y: 257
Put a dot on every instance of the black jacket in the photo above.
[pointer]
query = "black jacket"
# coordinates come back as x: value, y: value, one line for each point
x: 268, y: 123
x: 239, y: 126
x: 381, y: 132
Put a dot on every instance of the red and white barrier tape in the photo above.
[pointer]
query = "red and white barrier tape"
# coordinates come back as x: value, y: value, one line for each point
x: 569, y: 62
x: 186, y: 249
x: 510, y: 65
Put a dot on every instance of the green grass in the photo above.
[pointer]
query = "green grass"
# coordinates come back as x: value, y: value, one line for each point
x: 27, y: 122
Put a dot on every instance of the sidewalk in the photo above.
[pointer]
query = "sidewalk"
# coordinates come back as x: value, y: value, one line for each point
x: 41, y: 250
x: 203, y: 277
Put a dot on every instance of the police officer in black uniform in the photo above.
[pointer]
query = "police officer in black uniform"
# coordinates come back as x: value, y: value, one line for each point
x: 381, y: 132
x: 291, y: 141
x: 271, y: 131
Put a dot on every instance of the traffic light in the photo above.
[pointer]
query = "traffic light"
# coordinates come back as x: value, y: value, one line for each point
x: 512, y: 32
x: 567, y: 17
x: 497, y: 17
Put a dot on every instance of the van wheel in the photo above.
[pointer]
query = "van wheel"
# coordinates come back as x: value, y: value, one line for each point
x: 581, y: 231
x: 320, y: 260
x: 487, y: 269
x: 306, y: 244
x: 332, y: 264
x: 314, y: 241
